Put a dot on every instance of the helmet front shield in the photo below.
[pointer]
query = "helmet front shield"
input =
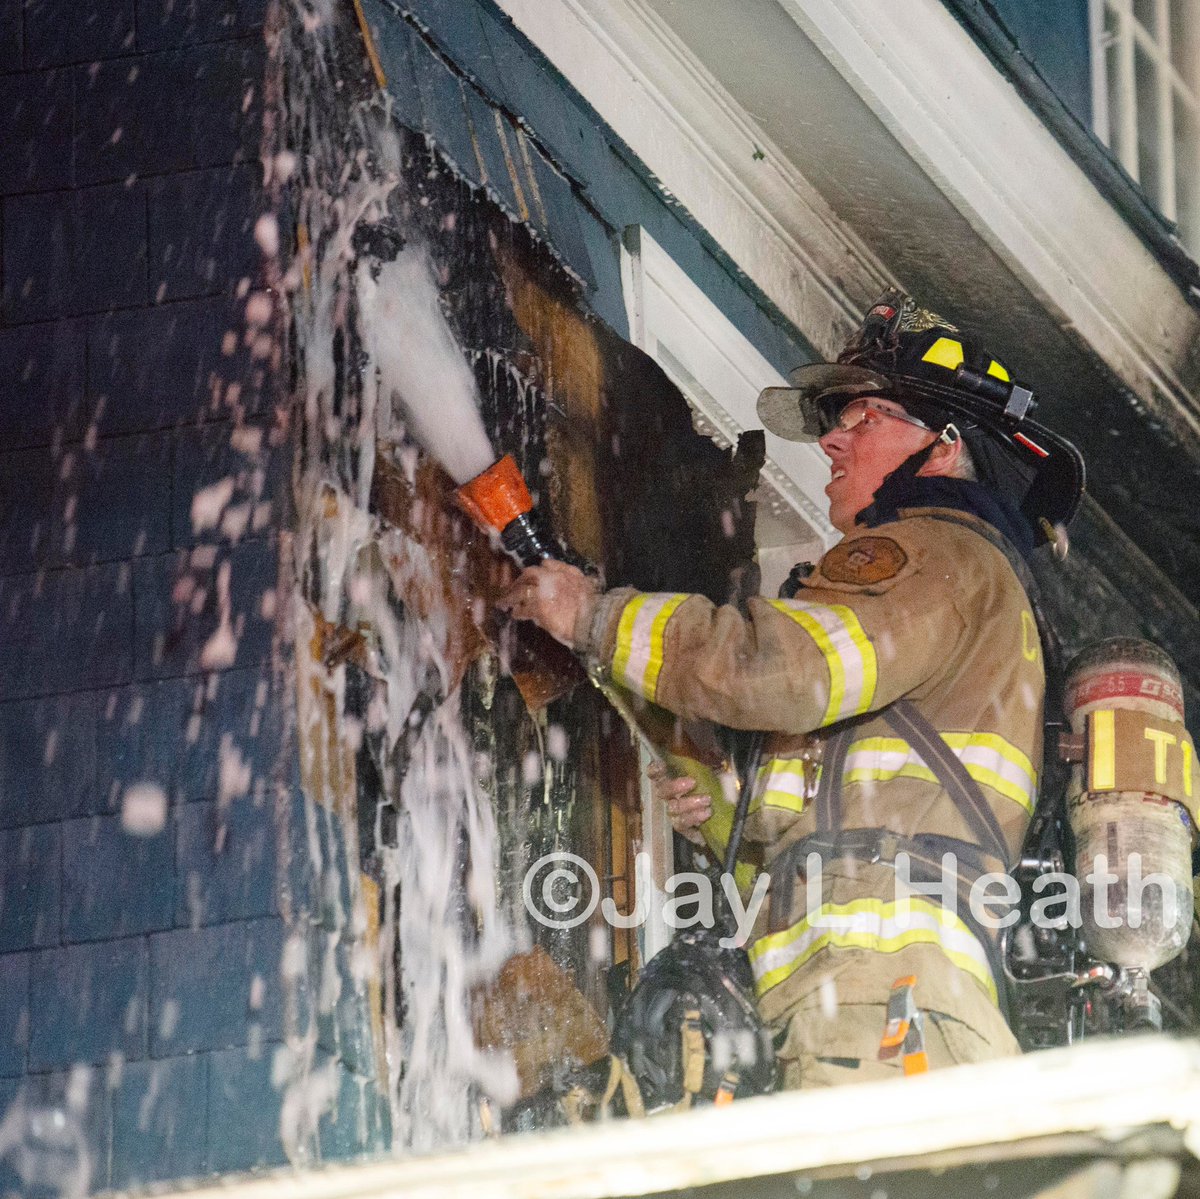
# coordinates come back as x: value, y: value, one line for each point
x: 809, y: 408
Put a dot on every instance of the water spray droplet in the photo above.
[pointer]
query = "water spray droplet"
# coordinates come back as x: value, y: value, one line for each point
x: 144, y: 809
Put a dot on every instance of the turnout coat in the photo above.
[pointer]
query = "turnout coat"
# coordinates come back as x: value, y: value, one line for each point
x: 926, y: 609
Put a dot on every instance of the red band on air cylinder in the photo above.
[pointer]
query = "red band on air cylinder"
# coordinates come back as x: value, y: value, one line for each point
x: 498, y: 496
x: 1125, y: 684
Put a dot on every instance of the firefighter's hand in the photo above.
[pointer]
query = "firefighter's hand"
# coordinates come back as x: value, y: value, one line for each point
x: 555, y: 596
x: 687, y: 811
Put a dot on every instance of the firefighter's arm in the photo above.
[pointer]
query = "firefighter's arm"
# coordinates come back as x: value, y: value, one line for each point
x: 788, y: 666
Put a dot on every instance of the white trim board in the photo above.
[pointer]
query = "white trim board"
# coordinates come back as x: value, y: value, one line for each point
x: 1118, y: 1098
x: 911, y: 65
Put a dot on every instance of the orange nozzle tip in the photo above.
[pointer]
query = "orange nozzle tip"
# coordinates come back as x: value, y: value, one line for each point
x: 496, y: 497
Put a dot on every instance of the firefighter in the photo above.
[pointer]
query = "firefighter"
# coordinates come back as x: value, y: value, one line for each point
x: 901, y: 689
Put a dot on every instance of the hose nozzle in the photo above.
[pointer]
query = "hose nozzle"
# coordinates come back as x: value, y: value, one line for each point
x: 498, y: 499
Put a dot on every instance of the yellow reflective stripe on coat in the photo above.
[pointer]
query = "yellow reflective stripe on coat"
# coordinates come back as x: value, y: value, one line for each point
x: 638, y: 659
x: 989, y: 759
x: 847, y: 650
x: 782, y: 783
x: 873, y: 924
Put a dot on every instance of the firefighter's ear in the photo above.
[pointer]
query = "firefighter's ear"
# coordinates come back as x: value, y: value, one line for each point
x: 945, y: 459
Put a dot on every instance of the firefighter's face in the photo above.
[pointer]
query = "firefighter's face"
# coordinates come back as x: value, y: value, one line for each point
x: 864, y: 448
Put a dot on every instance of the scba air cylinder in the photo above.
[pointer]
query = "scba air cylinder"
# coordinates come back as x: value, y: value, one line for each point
x: 1131, y: 803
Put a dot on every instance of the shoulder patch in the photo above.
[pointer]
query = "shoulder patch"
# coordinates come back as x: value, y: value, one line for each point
x: 864, y: 561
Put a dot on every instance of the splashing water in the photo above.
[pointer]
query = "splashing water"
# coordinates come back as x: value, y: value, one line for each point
x: 378, y: 365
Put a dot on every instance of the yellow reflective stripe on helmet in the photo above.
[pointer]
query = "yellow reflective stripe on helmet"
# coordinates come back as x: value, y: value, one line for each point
x: 873, y: 924
x: 639, y: 653
x: 782, y: 784
x: 848, y: 653
x: 944, y: 352
x: 994, y: 368
x: 989, y: 759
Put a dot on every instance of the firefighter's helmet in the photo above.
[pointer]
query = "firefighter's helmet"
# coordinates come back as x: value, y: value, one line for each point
x: 919, y: 359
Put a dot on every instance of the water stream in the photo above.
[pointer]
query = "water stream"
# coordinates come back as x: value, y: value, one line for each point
x: 380, y: 372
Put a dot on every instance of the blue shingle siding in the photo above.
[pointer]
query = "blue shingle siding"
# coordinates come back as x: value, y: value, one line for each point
x: 556, y: 210
x: 115, y: 883
x: 491, y: 165
x: 243, y: 1110
x: 37, y: 113
x: 131, y: 122
x: 215, y: 987
x: 77, y: 1103
x: 128, y: 195
x: 209, y: 455
x: 234, y: 713
x: 160, y: 1120
x: 162, y: 24
x: 459, y: 33
x: 225, y: 862
x: 356, y: 1119
x: 150, y: 368
x: 442, y: 106
x: 65, y: 630
x: 171, y: 634
x: 174, y: 734
x: 394, y: 40
x: 47, y: 758
x: 30, y: 887
x: 44, y: 373
x: 141, y: 735
x: 80, y: 506
x: 58, y: 31
x: 14, y: 1014
x: 88, y: 1002
x: 73, y: 252
x: 10, y: 35
x: 201, y: 231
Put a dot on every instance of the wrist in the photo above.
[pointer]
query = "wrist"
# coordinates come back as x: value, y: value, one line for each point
x: 585, y: 614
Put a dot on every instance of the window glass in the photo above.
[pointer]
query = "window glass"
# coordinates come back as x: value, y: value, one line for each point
x: 1145, y: 74
x: 1184, y: 48
x: 1145, y: 12
x: 1187, y: 171
x: 1112, y: 73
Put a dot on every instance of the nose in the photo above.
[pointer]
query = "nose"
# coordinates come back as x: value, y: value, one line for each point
x: 834, y: 442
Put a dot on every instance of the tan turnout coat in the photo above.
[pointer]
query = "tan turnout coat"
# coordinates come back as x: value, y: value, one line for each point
x: 926, y: 607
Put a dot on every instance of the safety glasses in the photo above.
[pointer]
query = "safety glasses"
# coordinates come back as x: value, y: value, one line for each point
x: 863, y: 414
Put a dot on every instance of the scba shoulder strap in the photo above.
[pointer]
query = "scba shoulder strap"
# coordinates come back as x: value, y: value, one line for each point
x: 906, y: 720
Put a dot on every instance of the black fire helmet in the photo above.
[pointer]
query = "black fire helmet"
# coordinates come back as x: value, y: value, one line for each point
x: 917, y: 358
